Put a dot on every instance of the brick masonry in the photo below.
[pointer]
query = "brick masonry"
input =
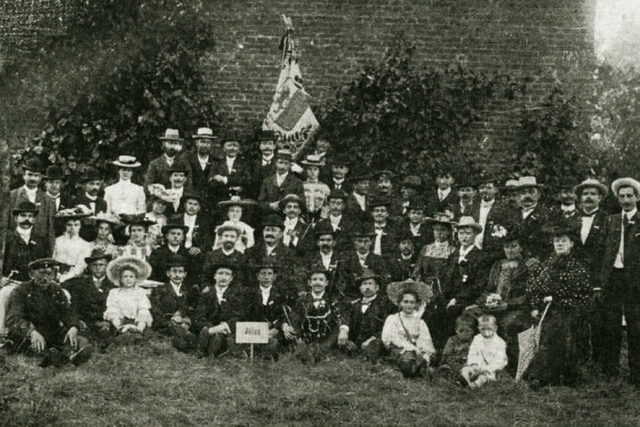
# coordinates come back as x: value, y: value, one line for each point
x: 544, y: 40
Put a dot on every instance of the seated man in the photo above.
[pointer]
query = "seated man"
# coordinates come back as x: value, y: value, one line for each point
x: 361, y: 327
x: 172, y: 305
x: 89, y: 295
x: 314, y: 319
x: 267, y: 304
x: 218, y: 311
x: 40, y: 319
x: 174, y: 235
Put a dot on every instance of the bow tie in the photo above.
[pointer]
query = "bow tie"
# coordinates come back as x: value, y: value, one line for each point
x: 586, y: 215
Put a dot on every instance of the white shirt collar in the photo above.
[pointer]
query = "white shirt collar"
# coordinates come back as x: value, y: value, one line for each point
x: 290, y: 223
x: 227, y: 253
x: 31, y: 194
x: 442, y: 194
x: 317, y: 296
x: 630, y: 214
x: 177, y: 288
x: 486, y: 205
x: 90, y: 197
x: 464, y: 253
x: 173, y: 249
x: 25, y: 234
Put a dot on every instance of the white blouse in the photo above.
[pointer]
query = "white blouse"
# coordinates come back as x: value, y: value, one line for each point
x: 490, y: 354
x: 125, y: 197
x: 71, y: 251
x: 128, y: 303
x: 413, y: 336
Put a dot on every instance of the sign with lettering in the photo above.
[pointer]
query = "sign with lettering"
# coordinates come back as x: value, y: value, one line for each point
x: 252, y: 333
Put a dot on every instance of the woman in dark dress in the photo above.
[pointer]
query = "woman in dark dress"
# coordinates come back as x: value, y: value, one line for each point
x: 564, y: 281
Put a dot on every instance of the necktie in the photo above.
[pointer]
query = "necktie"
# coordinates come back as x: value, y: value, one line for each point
x: 377, y: 247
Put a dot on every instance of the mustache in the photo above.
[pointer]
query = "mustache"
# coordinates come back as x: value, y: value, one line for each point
x: 26, y: 222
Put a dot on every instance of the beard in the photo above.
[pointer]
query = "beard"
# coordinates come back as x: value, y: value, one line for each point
x: 170, y: 152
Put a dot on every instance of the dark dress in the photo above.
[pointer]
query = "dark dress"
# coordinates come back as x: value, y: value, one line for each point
x: 566, y: 280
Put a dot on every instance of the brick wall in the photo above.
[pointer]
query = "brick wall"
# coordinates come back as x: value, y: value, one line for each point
x: 545, y: 40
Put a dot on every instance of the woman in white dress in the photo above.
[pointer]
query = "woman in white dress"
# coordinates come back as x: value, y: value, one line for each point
x: 234, y: 208
x: 405, y: 334
x: 125, y: 197
x: 71, y: 249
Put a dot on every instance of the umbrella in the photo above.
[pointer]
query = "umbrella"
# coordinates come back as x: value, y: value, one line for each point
x: 528, y: 342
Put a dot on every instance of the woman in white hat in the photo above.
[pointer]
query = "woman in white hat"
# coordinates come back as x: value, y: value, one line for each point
x: 128, y: 307
x: 234, y: 208
x: 405, y: 334
x: 125, y: 197
x: 71, y: 249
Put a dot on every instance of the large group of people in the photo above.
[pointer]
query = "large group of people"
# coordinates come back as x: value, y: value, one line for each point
x: 332, y: 256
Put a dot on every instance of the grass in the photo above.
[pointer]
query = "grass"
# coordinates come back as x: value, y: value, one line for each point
x: 155, y: 385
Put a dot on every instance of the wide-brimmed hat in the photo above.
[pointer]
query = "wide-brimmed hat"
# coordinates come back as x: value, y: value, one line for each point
x: 527, y: 182
x: 171, y: 135
x: 97, y: 254
x: 54, y: 172
x: 272, y: 265
x: 140, y: 266
x: 41, y: 263
x: 273, y: 220
x: 91, y: 174
x: 337, y: 194
x: 319, y: 268
x: 510, y: 185
x: 140, y: 219
x: 32, y: 165
x: 127, y: 162
x: 442, y: 218
x: 228, y: 225
x: 562, y: 227
x: 25, y: 206
x: 466, y: 181
x: 78, y: 212
x: 291, y: 198
x: 237, y: 201
x: 172, y: 225
x: 591, y: 183
x: 625, y: 182
x: 395, y: 289
x: 367, y: 274
x: 313, y: 160
x: 105, y: 217
x: 469, y: 222
x: 412, y: 181
x: 204, y: 133
x: 267, y: 135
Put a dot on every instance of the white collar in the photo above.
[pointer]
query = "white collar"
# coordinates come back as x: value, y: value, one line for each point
x: 465, y: 252
x: 173, y: 249
x: 368, y: 300
x: 177, y: 288
x: 25, y: 234
x: 281, y: 177
x: 568, y: 208
x: 485, y: 204
x: 444, y: 193
x: 338, y: 181
x: 203, y: 159
x: 90, y: 197
x: 315, y: 296
x: 268, y: 158
x: 290, y: 222
x: 227, y: 253
x: 630, y: 214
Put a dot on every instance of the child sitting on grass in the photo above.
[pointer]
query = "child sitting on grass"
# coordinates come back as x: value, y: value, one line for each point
x: 128, y: 307
x: 487, y: 354
x: 456, y: 350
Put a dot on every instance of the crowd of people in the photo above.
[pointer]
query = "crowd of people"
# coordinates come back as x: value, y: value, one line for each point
x: 332, y: 256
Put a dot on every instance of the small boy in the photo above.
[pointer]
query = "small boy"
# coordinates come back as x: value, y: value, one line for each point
x: 456, y: 350
x: 315, y: 318
x: 487, y: 354
x: 172, y: 305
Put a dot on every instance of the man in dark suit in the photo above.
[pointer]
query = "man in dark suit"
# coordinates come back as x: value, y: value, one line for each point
x: 532, y: 217
x: 355, y: 261
x: 443, y: 198
x: 619, y: 280
x: 207, y: 151
x: 491, y: 213
x: 174, y: 234
x: 218, y: 310
x: 54, y: 180
x: 413, y: 226
x: 228, y: 234
x: 90, y: 197
x: 296, y: 230
x: 356, y: 205
x: 229, y: 175
x: 89, y: 295
x: 158, y: 170
x: 199, y: 237
x: 337, y: 220
x: 364, y: 318
x: 23, y: 244
x: 339, y: 179
x: 265, y: 165
x: 324, y: 254
x: 275, y: 187
x: 410, y: 189
x: 30, y: 192
x: 466, y: 191
x: 565, y: 206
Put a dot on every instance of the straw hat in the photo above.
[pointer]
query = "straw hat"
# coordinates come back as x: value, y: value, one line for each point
x: 469, y: 222
x: 591, y: 183
x: 228, y: 225
x: 395, y: 289
x: 127, y: 162
x: 171, y: 135
x: 625, y: 182
x: 203, y: 133
x: 140, y: 266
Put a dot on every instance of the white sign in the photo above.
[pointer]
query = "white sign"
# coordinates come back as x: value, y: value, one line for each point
x: 252, y: 333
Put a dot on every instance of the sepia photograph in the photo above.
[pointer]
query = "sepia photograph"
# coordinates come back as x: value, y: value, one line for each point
x: 329, y: 212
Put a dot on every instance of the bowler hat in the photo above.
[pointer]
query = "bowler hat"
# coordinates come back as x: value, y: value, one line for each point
x: 337, y: 194
x: 339, y: 159
x: 267, y: 135
x: 284, y: 154
x: 213, y: 267
x: 273, y: 220
x: 178, y: 166
x: 323, y: 228
x: 381, y: 201
x: 291, y: 198
x: 33, y: 165
x: 412, y: 181
x: 172, y: 225
x: 363, y: 230
x: 366, y: 274
x: 191, y: 195
x: 23, y: 207
x: 91, y: 174
x: 176, y: 260
x: 54, y: 172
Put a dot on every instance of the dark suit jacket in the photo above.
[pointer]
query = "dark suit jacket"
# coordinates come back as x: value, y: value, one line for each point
x: 82, y: 199
x: 469, y: 211
x: 260, y: 173
x: 592, y: 251
x: 389, y: 239
x: 203, y: 233
x: 351, y: 269
x: 346, y: 186
x: 218, y: 257
x: 17, y: 254
x: 165, y: 302
x: 631, y: 251
x: 424, y: 236
x: 465, y: 281
x: 44, y: 222
x: 363, y: 326
x: 354, y: 212
x: 239, y: 176
x: 159, y: 259
x: 158, y: 173
x: 499, y: 214
x: 272, y: 312
x: 87, y: 301
x: 270, y: 192
x: 535, y: 241
x: 210, y: 312
x: 342, y: 236
x: 434, y: 204
x: 199, y: 177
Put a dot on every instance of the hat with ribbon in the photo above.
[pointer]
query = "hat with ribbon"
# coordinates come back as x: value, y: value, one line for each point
x: 171, y: 135
x: 204, y: 133
x: 126, y: 162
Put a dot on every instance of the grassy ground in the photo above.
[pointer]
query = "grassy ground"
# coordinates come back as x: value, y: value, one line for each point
x: 155, y: 385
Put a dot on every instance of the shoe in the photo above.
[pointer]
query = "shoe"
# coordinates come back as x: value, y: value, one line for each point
x: 81, y: 356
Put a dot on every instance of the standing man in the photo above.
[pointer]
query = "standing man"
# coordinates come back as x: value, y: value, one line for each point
x: 532, y: 217
x: 201, y: 161
x: 620, y: 272
x: 443, y: 198
x: 158, y: 171
x: 54, y: 186
x: 30, y: 192
x: 339, y: 171
x: 490, y: 213
x: 90, y: 197
x: 466, y: 205
x: 280, y: 184
x: 230, y: 174
x: 265, y: 166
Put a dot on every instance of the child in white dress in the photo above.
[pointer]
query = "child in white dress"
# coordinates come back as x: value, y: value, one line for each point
x: 487, y: 354
x: 128, y: 307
